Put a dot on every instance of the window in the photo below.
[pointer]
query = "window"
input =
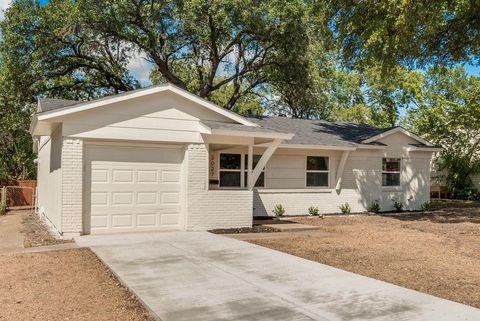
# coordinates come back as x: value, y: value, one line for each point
x: 231, y: 169
x: 391, y: 172
x: 261, y: 178
x: 317, y: 171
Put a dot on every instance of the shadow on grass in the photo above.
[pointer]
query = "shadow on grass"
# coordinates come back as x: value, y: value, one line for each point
x: 443, y: 216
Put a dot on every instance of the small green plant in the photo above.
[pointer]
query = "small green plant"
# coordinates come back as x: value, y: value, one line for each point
x: 313, y: 211
x: 345, y: 208
x: 374, y: 207
x: 397, y: 205
x: 427, y: 206
x: 278, y: 210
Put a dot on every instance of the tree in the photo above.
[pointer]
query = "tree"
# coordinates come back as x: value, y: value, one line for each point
x: 450, y: 116
x: 391, y: 32
x: 50, y: 50
x: 236, y: 41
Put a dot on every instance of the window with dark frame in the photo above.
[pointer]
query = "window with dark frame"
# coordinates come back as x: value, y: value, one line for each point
x: 317, y: 171
x: 230, y: 170
x: 391, y: 169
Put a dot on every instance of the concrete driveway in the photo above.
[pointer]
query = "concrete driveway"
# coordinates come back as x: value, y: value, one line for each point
x: 201, y: 276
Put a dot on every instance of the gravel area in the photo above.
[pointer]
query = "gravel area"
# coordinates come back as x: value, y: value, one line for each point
x: 64, y: 285
x: 36, y: 232
x: 436, y: 253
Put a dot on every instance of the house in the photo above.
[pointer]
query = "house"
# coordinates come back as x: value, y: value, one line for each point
x: 162, y: 158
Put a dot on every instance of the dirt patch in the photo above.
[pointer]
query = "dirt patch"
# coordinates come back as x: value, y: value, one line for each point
x: 436, y: 253
x: 254, y: 229
x: 36, y: 232
x: 64, y: 285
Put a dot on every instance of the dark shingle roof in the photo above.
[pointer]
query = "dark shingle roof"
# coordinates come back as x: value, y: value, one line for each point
x: 235, y: 126
x: 46, y: 104
x: 320, y: 132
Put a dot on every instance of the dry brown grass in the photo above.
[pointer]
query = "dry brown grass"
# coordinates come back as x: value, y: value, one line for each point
x: 436, y: 253
x: 64, y: 285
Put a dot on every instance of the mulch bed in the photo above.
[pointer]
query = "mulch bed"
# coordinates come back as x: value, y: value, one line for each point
x: 254, y: 229
x: 36, y: 232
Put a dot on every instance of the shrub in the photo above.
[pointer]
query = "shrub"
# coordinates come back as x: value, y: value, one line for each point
x: 313, y: 210
x: 345, y: 208
x: 374, y: 207
x: 278, y: 210
x: 397, y: 205
x: 427, y: 206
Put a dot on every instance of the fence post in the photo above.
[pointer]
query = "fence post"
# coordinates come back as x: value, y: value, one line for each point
x: 3, y: 201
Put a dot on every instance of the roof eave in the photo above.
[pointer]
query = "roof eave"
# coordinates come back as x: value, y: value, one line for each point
x: 229, y: 132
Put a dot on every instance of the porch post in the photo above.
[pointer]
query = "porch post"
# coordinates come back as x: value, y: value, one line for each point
x: 249, y: 164
x: 263, y: 161
x: 340, y: 169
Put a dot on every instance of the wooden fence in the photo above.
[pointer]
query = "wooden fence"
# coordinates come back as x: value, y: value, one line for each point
x: 20, y: 192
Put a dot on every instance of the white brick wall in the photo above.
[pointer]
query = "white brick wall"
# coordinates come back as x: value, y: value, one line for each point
x: 72, y: 186
x: 361, y: 184
x: 209, y: 209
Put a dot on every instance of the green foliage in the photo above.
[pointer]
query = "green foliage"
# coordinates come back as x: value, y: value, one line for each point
x: 397, y: 205
x: 426, y: 206
x: 313, y: 211
x: 278, y: 210
x: 345, y: 208
x: 449, y: 115
x: 204, y: 46
x: 374, y: 207
x: 389, y: 32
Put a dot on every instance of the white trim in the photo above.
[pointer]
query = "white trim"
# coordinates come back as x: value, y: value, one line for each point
x: 241, y: 133
x: 132, y: 144
x: 396, y: 130
x: 317, y: 171
x: 262, y: 163
x: 367, y: 146
x: 302, y: 146
x: 293, y: 190
x: 399, y: 172
x: 115, y: 99
x: 424, y: 149
x: 340, y: 169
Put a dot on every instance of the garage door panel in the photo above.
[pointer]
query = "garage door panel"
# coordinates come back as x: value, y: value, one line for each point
x: 170, y: 177
x: 170, y: 219
x: 122, y: 198
x: 122, y: 220
x: 147, y: 176
x: 122, y: 176
x: 127, y: 194
x: 147, y: 198
x: 147, y: 220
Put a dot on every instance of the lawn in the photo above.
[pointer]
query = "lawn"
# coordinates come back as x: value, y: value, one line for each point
x: 63, y: 285
x: 436, y: 253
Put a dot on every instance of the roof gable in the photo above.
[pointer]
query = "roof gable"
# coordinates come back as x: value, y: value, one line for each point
x: 395, y: 130
x: 59, y: 110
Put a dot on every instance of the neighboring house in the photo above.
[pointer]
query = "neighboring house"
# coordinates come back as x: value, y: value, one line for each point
x: 161, y: 158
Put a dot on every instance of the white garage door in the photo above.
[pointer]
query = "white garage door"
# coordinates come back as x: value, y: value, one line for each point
x: 132, y: 188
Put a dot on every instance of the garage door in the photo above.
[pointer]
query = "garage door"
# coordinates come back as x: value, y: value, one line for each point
x: 132, y: 188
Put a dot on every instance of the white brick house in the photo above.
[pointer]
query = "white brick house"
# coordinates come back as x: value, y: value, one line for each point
x: 161, y: 158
